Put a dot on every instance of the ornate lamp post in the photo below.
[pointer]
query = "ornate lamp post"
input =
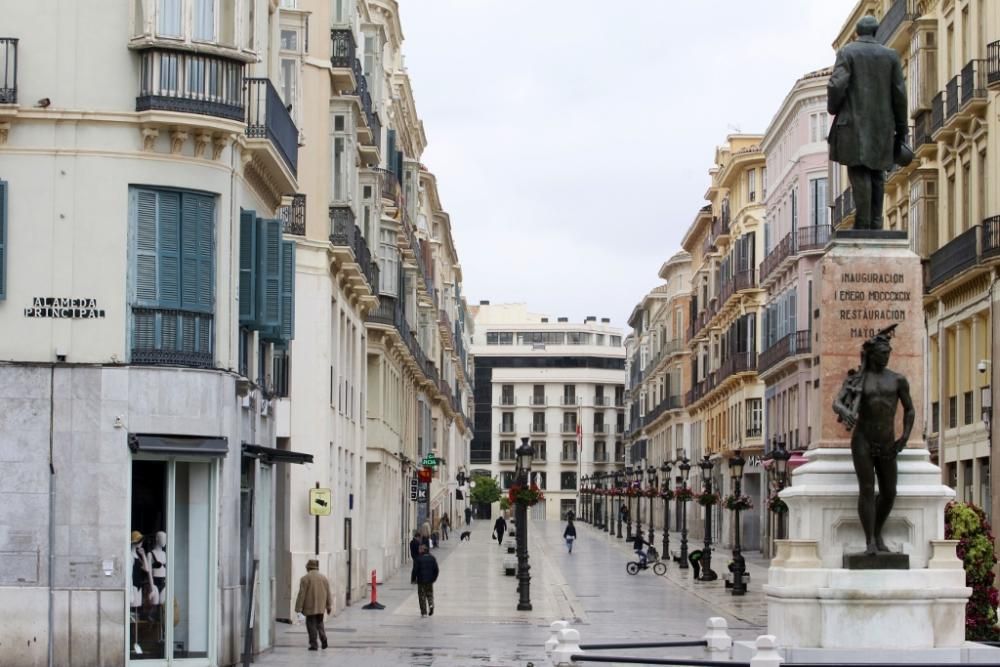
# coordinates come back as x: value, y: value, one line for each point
x: 639, y: 475
x: 739, y: 564
x: 651, y: 483
x: 598, y: 520
x: 685, y: 468
x: 525, y: 453
x: 781, y: 456
x: 582, y: 496
x: 619, y: 480
x: 628, y: 503
x: 665, y: 485
x: 707, y: 574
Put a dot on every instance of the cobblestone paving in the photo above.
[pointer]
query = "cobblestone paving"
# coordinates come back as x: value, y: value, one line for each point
x: 476, y: 623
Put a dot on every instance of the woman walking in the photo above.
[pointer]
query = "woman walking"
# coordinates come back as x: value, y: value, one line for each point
x: 570, y: 534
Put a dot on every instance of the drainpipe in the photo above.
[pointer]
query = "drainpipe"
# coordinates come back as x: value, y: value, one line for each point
x: 52, y: 514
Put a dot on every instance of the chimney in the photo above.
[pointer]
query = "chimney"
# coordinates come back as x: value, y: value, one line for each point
x: 590, y: 318
x: 484, y: 302
x: 562, y: 319
x: 605, y: 320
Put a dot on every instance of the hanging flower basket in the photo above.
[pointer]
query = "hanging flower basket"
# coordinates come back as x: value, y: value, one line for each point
x: 633, y: 491
x: 708, y: 499
x: 526, y: 496
x: 651, y: 493
x: 666, y: 493
x: 776, y: 504
x: 683, y: 494
x: 741, y: 503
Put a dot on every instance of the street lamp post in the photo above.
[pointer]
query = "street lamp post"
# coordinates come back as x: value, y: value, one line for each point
x: 665, y: 485
x: 707, y: 574
x: 583, y: 494
x: 781, y: 456
x: 651, y: 483
x: 628, y: 503
x: 685, y: 467
x: 739, y: 564
x: 525, y: 453
x: 619, y: 479
x: 599, y: 500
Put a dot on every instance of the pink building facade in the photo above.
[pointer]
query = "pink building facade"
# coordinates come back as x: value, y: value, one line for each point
x: 796, y: 231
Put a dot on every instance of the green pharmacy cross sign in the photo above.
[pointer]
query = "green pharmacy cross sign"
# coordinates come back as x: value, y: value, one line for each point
x: 429, y: 461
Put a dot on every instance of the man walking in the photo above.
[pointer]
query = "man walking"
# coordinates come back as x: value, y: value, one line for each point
x: 570, y: 534
x: 468, y: 516
x: 427, y: 574
x: 313, y: 599
x: 500, y: 529
x: 867, y: 95
x: 414, y: 554
x: 444, y: 526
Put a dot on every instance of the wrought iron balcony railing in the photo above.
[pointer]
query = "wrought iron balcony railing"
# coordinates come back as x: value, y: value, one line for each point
x: 344, y: 232
x: 922, y: 130
x: 293, y: 216
x: 954, y: 257
x: 363, y: 94
x: 973, y: 82
x: 778, y: 254
x: 812, y: 238
x: 538, y: 427
x: 900, y: 12
x: 8, y: 70
x: 187, y: 83
x: 843, y: 206
x: 798, y: 342
x: 951, y: 97
x: 538, y: 400
x: 343, y: 48
x: 993, y: 63
x: 937, y: 112
x: 268, y: 117
x: 172, y: 337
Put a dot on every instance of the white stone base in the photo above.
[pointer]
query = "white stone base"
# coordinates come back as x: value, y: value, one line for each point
x: 967, y: 653
x: 823, y: 506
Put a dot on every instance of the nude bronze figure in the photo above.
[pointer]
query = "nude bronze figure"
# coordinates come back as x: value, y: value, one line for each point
x: 866, y: 404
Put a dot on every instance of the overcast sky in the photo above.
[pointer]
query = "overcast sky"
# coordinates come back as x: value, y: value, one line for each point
x: 572, y: 143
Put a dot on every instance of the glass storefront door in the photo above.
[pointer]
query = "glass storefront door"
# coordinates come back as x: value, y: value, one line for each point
x: 171, y: 557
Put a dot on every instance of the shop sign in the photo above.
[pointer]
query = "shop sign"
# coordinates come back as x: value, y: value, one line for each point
x: 64, y: 308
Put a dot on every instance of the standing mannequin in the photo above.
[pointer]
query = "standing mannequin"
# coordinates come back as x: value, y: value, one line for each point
x: 139, y: 576
x: 158, y: 558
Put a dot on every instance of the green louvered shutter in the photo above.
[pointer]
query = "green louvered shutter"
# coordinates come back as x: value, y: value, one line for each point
x: 248, y: 266
x: 169, y: 251
x: 287, y: 290
x: 269, y: 273
x: 3, y: 240
x: 197, y: 253
x: 144, y: 205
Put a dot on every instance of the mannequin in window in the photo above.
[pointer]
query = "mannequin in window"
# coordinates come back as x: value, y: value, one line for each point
x: 158, y: 563
x: 139, y: 570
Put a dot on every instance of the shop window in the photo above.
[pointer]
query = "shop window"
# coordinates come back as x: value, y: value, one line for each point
x: 170, y: 570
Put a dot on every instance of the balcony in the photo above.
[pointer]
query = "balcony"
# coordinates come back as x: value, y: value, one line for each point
x: 843, y: 208
x: 271, y: 134
x: 388, y: 312
x: 788, y: 346
x: 172, y: 337
x: 342, y: 56
x: 507, y: 429
x: 568, y: 428
x: 993, y: 64
x: 600, y: 457
x: 184, y: 82
x: 784, y: 249
x: 293, y: 216
x: 391, y: 192
x: 973, y: 88
x: 507, y: 400
x: 600, y: 429
x: 8, y: 70
x: 892, y: 29
x: 923, y: 134
x: 991, y: 237
x: 569, y: 400
x: 506, y: 456
x: 538, y: 428
x: 954, y: 257
x: 814, y: 237
x: 568, y: 456
x: 601, y: 401
x: 744, y: 280
x: 937, y: 113
x: 538, y: 400
x: 739, y: 362
x: 371, y: 131
x: 352, y: 256
x: 951, y: 98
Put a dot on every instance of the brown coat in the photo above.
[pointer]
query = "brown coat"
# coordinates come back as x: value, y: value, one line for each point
x: 314, y: 594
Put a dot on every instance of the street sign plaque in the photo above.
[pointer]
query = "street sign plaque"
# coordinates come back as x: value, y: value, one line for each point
x: 429, y: 461
x: 413, y: 488
x: 320, y: 502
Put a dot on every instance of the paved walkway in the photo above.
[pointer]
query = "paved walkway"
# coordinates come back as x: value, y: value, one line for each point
x: 476, y: 622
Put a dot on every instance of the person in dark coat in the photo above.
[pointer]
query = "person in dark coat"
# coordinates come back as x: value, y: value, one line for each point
x: 867, y: 95
x: 500, y: 529
x: 414, y: 554
x: 570, y: 535
x: 468, y: 516
x: 427, y: 574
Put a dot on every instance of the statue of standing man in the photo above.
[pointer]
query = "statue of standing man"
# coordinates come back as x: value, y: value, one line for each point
x: 867, y: 96
x: 866, y: 404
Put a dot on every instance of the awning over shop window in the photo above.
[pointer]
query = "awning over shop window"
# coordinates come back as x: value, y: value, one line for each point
x: 272, y: 455
x: 178, y: 444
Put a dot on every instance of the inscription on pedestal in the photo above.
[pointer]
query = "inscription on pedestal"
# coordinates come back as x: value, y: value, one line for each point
x: 872, y: 300
x: 879, y: 561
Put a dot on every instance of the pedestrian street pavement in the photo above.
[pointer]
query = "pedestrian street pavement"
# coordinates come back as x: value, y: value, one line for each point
x: 476, y: 622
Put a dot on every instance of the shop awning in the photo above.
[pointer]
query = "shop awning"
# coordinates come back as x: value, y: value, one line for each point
x: 272, y: 455
x: 178, y: 444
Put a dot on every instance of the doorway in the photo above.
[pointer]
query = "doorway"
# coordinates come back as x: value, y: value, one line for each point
x: 350, y: 560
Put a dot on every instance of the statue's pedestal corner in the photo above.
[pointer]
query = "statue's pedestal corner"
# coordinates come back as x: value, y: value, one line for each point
x: 879, y: 561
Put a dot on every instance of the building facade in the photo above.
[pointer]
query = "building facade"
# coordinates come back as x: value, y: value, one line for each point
x: 560, y: 384
x: 796, y: 231
x: 947, y: 200
x: 150, y: 310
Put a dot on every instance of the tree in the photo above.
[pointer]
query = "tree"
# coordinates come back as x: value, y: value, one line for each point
x: 486, y: 490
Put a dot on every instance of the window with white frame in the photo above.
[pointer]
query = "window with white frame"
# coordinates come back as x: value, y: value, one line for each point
x: 343, y: 11
x: 389, y: 265
x: 819, y: 124
x: 754, y: 417
x: 216, y: 22
x: 341, y: 158
x: 752, y: 185
x: 506, y: 450
x: 818, y: 210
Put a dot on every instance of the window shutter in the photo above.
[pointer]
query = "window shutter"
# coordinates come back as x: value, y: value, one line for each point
x: 287, y: 290
x: 168, y: 249
x: 144, y: 205
x: 3, y: 240
x: 269, y: 273
x: 390, y: 150
x: 248, y: 266
x: 197, y: 256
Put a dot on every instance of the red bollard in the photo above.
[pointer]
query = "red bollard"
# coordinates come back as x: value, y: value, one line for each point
x: 374, y: 603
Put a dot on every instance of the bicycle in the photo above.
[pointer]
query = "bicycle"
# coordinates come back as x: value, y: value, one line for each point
x: 652, y: 561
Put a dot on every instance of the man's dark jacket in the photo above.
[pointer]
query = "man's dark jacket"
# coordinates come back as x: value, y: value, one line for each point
x: 867, y: 94
x: 414, y: 549
x: 426, y: 567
